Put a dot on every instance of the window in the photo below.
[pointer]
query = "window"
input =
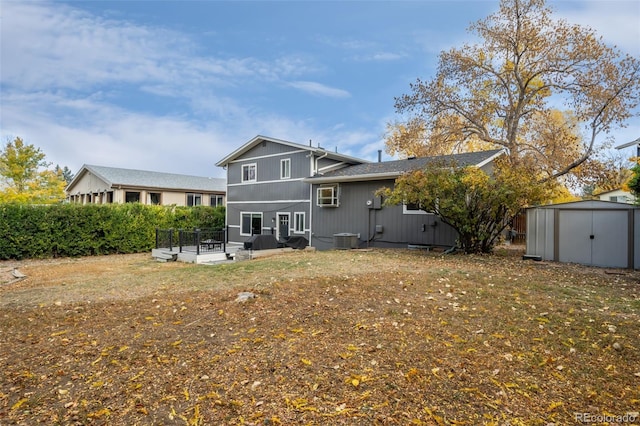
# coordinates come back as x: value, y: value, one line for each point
x: 298, y: 222
x: 154, y: 198
x: 194, y: 200
x: 285, y: 168
x: 328, y: 196
x: 216, y: 200
x: 250, y: 223
x: 249, y: 172
x: 131, y: 197
x: 412, y: 208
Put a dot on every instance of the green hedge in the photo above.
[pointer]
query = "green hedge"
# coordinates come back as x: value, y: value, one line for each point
x: 69, y: 230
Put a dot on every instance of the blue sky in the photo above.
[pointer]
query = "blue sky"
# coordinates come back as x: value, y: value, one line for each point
x: 176, y: 85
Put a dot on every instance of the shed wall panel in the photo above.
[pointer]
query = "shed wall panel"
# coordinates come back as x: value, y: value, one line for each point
x: 540, y: 238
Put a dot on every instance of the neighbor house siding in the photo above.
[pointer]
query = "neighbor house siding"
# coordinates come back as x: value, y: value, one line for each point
x: 102, y: 185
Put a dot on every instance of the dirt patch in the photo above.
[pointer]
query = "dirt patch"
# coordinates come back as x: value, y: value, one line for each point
x: 341, y: 337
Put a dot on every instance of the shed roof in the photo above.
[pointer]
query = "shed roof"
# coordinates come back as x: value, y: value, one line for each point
x: 392, y: 169
x: 115, y: 176
x: 587, y: 205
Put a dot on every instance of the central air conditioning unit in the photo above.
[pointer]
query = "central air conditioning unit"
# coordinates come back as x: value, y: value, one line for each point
x: 345, y: 241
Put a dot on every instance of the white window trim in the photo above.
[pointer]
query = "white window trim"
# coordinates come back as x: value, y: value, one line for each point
x: 255, y: 173
x: 296, y: 215
x: 286, y: 161
x: 288, y: 215
x: 407, y: 211
x: 335, y: 198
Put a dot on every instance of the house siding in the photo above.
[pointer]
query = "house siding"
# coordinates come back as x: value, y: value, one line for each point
x: 354, y: 216
x: 269, y: 195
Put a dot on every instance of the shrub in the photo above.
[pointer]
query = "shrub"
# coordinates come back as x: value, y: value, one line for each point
x: 94, y: 229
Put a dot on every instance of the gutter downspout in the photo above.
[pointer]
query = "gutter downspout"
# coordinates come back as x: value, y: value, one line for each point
x: 314, y: 162
x: 315, y: 171
x: 311, y: 215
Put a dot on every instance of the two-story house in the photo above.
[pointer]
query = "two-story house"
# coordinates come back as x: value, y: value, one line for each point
x: 266, y: 191
x: 284, y: 188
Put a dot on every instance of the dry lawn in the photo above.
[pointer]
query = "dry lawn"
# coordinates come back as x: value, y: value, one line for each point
x: 386, y: 337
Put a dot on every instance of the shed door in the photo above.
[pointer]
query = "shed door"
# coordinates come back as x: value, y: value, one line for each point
x: 611, y: 244
x: 574, y: 243
x: 593, y: 237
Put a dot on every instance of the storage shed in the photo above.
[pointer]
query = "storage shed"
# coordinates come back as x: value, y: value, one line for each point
x: 596, y: 233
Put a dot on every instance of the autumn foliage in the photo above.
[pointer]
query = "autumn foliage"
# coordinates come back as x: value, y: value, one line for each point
x: 505, y: 91
x: 376, y: 337
x: 25, y: 177
x: 477, y: 204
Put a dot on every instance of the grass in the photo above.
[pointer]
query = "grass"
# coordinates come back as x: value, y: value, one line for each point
x: 339, y: 337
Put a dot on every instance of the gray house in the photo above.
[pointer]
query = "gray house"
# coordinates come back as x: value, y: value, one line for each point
x: 346, y: 211
x: 266, y: 191
x: 284, y: 188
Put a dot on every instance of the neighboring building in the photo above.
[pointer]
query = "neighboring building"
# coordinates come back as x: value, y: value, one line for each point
x: 617, y: 196
x: 105, y: 185
x: 266, y: 192
x: 285, y: 188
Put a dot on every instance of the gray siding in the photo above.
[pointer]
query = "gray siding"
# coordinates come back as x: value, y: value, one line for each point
x: 354, y: 216
x: 269, y: 194
x: 269, y: 191
x: 269, y: 212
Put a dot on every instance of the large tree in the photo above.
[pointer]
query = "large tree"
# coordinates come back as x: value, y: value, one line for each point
x: 24, y: 177
x: 545, y: 90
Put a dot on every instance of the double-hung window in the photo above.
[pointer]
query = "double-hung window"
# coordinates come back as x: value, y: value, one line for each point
x: 285, y: 168
x: 298, y: 223
x: 249, y: 172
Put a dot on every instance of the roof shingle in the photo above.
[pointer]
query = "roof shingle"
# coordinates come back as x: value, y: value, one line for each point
x: 142, y: 178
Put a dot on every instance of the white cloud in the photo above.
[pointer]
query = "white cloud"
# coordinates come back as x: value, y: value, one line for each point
x: 52, y: 45
x: 319, y: 89
x: 617, y: 21
x: 64, y: 72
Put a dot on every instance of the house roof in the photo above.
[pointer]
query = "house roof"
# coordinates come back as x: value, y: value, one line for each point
x: 115, y: 176
x: 316, y: 150
x: 393, y: 169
